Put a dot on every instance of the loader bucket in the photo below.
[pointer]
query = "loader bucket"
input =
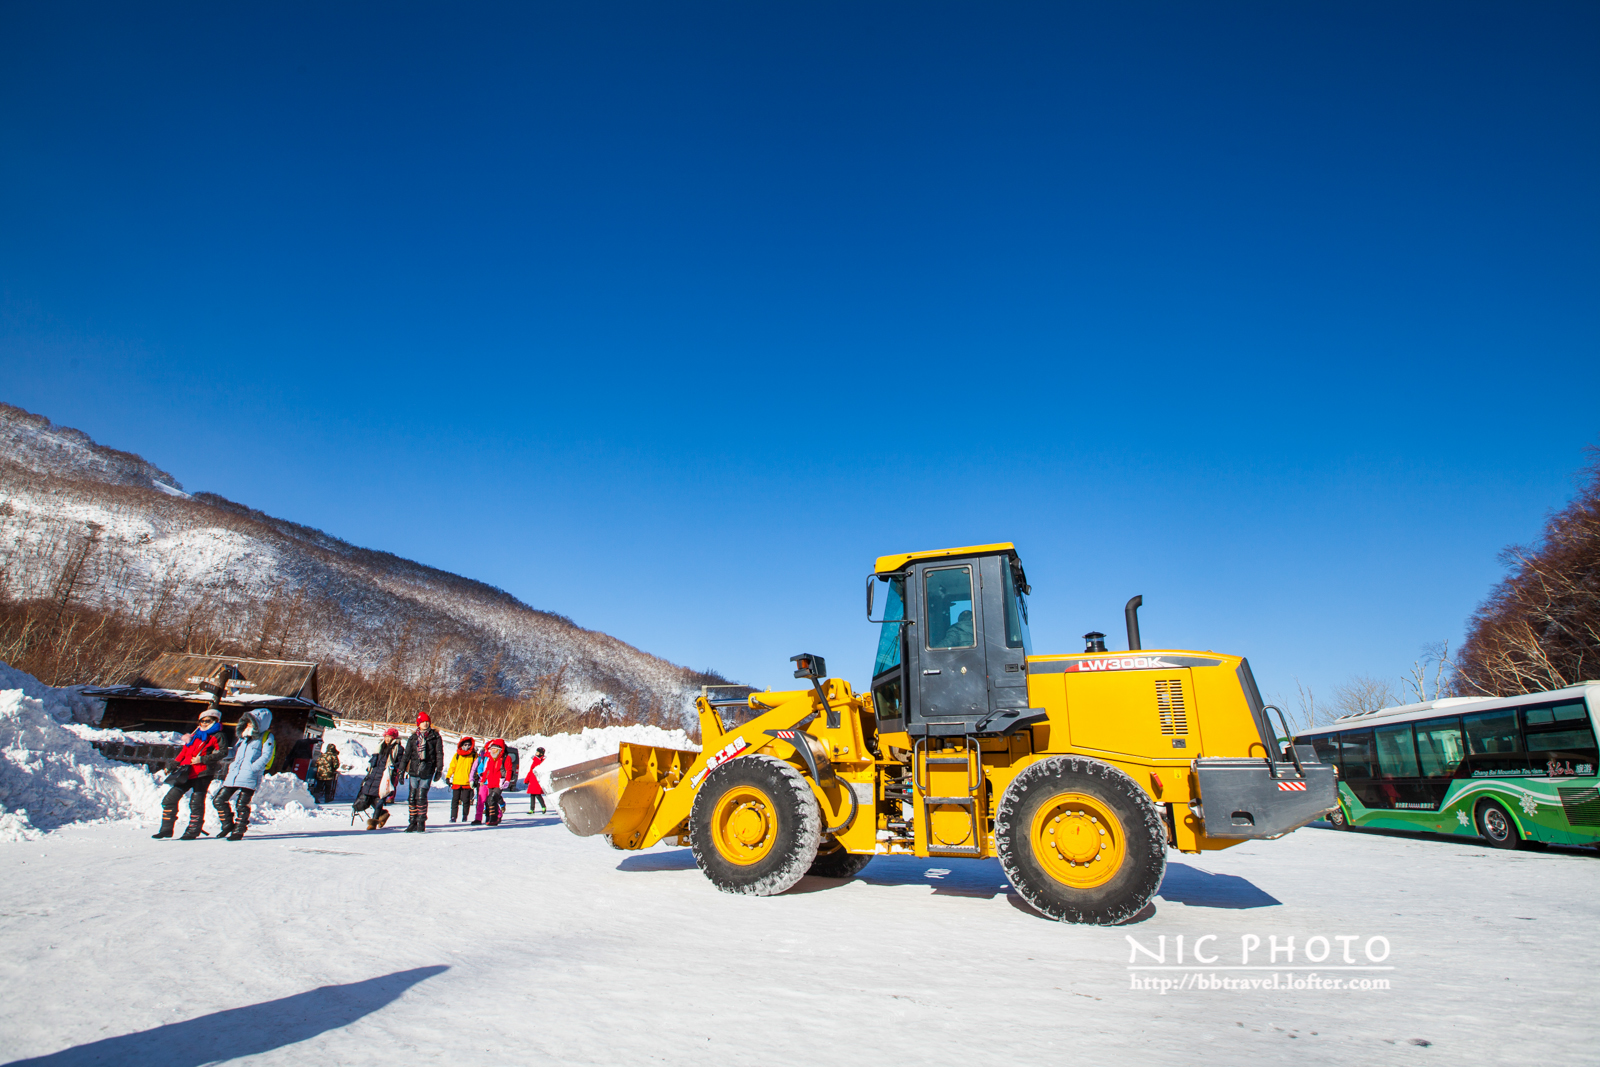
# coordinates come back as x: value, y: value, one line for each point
x: 618, y: 795
x: 588, y: 794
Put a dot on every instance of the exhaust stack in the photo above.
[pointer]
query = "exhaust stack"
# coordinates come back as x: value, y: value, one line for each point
x: 1131, y: 614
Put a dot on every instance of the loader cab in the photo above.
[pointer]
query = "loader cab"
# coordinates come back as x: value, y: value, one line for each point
x: 953, y: 643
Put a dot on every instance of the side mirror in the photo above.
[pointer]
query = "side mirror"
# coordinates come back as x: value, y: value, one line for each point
x: 872, y: 580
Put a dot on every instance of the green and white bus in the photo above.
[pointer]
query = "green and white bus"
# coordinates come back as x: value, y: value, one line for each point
x: 1510, y: 770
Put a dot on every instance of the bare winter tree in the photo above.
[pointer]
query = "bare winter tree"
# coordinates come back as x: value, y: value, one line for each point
x: 1435, y: 658
x: 1540, y: 628
x: 1363, y: 694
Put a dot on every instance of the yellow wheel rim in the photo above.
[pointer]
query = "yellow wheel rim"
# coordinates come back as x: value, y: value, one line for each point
x: 744, y: 825
x: 1078, y: 840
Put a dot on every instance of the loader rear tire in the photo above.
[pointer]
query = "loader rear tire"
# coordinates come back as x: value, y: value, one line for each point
x: 1081, y: 841
x: 755, y: 826
x: 834, y: 862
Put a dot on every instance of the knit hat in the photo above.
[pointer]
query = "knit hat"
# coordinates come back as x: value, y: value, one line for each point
x: 423, y: 716
x: 391, y: 732
x: 539, y: 751
x: 210, y: 713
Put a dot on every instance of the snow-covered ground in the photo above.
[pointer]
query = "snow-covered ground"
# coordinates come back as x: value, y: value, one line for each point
x: 311, y: 943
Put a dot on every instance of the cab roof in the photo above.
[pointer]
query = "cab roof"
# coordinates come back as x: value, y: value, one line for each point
x: 890, y: 564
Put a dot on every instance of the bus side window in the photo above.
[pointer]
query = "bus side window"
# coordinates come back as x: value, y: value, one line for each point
x: 1561, y: 734
x: 1493, y: 733
x: 1355, y: 754
x: 1397, y: 757
x: 1327, y: 748
x: 1439, y: 746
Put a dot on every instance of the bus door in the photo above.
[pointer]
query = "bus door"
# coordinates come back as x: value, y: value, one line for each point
x: 1440, y: 750
x: 1399, y: 778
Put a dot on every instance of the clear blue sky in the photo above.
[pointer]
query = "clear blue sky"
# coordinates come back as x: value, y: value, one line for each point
x: 671, y: 317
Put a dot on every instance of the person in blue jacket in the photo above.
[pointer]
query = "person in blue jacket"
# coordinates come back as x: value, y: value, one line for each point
x: 252, y: 755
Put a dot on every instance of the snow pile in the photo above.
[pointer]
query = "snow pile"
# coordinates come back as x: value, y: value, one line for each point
x: 49, y: 776
x: 281, y: 795
x: 64, y: 705
x: 563, y: 750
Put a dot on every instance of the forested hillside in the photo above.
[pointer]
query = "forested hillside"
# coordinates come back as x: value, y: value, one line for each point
x: 105, y: 559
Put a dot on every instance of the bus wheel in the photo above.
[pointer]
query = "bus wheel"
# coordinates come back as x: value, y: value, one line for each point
x: 1336, y: 818
x: 1081, y: 841
x: 1495, y: 824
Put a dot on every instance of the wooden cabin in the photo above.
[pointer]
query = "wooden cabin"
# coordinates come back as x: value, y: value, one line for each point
x: 171, y: 692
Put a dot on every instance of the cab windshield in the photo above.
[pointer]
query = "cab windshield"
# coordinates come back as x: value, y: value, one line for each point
x: 1016, y: 614
x: 889, y: 639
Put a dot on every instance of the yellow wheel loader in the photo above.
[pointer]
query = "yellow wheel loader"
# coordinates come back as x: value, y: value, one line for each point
x: 1076, y: 771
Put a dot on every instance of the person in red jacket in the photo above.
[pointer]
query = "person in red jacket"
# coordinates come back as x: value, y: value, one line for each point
x: 535, y: 790
x: 494, y: 774
x: 191, y: 772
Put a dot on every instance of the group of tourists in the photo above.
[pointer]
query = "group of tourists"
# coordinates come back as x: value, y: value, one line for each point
x: 418, y: 761
x: 472, y: 777
x: 201, y: 759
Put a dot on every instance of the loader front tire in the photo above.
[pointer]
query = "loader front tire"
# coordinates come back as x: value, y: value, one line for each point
x: 834, y: 862
x: 755, y: 826
x: 1081, y: 841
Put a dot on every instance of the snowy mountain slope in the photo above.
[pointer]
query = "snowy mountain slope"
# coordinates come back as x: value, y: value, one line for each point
x: 143, y: 547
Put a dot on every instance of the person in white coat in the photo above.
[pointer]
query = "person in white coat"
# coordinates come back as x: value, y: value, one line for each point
x: 252, y: 755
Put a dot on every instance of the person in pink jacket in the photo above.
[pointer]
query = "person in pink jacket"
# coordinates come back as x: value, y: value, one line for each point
x: 535, y: 790
x: 494, y: 774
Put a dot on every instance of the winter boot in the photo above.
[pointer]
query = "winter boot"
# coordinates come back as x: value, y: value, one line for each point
x: 241, y: 817
x: 168, y: 819
x: 372, y: 823
x: 224, y: 814
x: 197, y: 822
x: 383, y: 818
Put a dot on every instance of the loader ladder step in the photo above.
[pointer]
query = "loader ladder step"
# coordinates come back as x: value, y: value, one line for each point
x: 970, y: 802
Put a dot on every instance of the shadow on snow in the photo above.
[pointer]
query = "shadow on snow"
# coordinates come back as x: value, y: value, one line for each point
x: 1183, y: 884
x: 1196, y: 888
x: 246, y: 1031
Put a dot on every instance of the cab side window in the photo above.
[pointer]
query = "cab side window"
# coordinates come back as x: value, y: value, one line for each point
x: 948, y: 608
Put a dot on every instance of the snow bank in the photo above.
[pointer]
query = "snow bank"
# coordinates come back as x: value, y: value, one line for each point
x: 49, y: 776
x: 63, y: 705
x: 563, y: 750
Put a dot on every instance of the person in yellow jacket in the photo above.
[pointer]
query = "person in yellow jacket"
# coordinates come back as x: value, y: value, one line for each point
x: 459, y: 777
